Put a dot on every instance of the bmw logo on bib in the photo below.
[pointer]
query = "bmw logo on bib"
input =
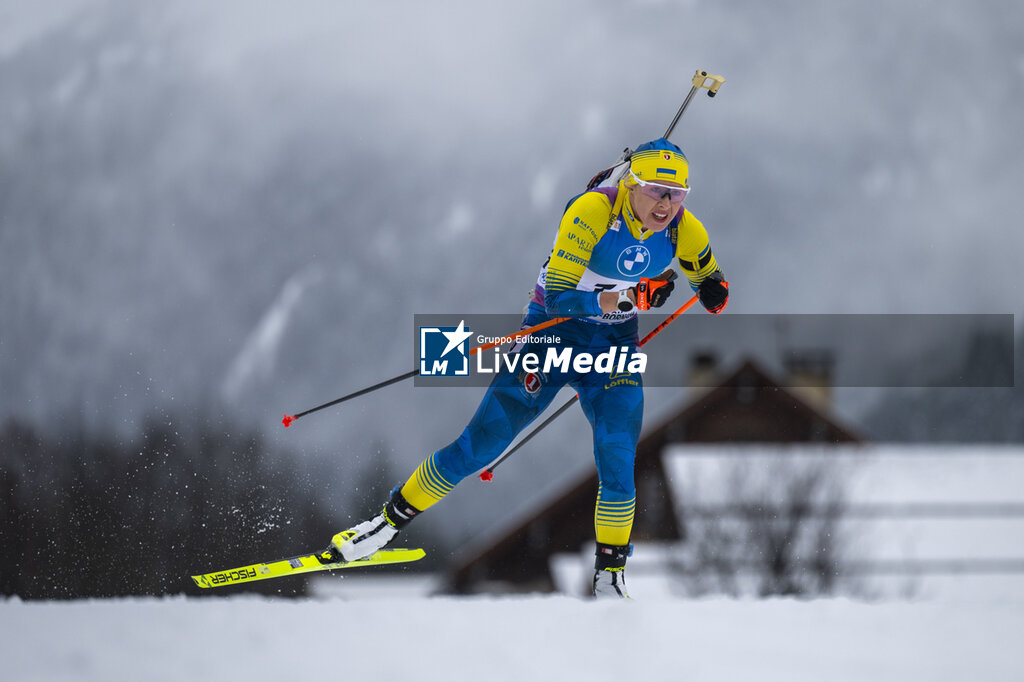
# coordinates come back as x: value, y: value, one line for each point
x: 633, y: 260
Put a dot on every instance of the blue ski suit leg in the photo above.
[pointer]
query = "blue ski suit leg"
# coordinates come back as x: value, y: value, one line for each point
x: 615, y: 407
x: 506, y: 409
x: 613, y: 404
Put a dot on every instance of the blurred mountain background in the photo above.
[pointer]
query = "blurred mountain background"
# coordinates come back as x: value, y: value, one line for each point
x: 222, y: 212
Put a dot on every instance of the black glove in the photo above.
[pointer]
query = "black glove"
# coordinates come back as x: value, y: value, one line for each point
x: 653, y: 292
x: 713, y: 292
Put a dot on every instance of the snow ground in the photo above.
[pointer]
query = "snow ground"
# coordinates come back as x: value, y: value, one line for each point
x: 511, y: 638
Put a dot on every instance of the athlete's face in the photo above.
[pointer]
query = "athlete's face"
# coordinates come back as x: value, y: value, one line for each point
x: 655, y: 214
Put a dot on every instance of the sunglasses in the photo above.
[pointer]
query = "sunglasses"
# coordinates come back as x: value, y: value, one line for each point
x: 657, y: 191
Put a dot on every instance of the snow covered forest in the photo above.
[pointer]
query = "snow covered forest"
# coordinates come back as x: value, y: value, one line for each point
x: 139, y: 517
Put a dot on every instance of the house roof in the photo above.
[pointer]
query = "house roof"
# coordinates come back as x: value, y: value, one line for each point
x: 749, y: 405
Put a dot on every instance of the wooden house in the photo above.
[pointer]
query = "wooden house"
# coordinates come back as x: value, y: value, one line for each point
x: 747, y: 405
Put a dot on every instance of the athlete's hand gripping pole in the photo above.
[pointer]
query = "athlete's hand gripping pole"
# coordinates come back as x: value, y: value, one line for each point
x: 488, y: 473
x: 290, y: 418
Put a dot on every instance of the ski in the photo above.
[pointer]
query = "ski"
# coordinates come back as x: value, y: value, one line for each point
x: 305, y: 563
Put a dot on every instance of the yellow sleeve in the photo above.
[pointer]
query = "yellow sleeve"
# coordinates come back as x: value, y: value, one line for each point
x: 583, y: 224
x: 693, y: 249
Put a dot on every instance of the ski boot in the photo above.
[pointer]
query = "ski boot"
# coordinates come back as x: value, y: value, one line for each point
x: 610, y: 571
x: 369, y: 536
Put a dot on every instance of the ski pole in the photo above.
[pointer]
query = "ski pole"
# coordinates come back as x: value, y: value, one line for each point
x: 290, y: 418
x: 488, y: 473
x: 668, y: 320
x: 521, y: 333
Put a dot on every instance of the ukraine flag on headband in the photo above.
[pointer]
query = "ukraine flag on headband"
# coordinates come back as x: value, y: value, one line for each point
x: 660, y: 160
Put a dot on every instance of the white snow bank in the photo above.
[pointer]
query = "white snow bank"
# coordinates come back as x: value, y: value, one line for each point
x: 522, y: 638
x: 950, y: 479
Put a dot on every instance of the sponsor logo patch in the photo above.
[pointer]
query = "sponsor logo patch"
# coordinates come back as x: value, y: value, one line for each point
x: 633, y: 260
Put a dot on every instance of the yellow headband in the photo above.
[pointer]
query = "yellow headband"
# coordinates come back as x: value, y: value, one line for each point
x: 653, y: 165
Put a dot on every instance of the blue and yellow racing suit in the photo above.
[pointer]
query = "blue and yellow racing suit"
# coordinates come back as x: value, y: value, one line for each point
x: 600, y: 246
